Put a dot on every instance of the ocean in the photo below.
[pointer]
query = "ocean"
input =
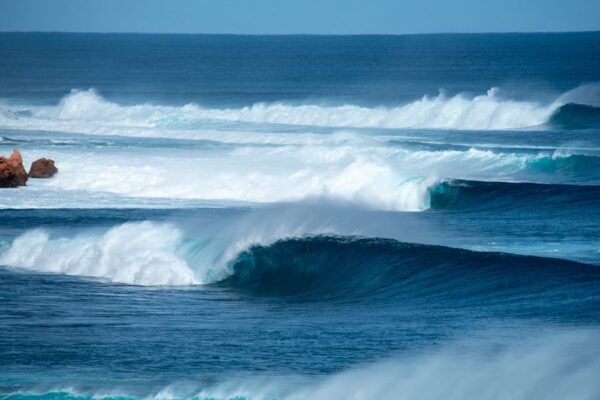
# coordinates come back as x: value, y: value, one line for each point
x: 301, y: 217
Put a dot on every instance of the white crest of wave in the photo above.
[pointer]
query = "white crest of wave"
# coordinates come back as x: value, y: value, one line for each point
x: 458, y: 112
x: 133, y: 253
x: 481, y: 112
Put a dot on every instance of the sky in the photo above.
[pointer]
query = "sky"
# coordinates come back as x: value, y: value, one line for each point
x: 300, y: 16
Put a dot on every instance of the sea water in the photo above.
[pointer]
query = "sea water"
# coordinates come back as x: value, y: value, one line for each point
x: 301, y: 217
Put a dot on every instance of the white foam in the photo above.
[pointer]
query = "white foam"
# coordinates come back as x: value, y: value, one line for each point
x: 257, y: 175
x: 359, y: 170
x: 88, y: 112
x: 133, y: 253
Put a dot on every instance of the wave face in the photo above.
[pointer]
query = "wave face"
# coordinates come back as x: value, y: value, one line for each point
x: 330, y: 267
x: 492, y: 196
x: 575, y: 116
x: 380, y: 178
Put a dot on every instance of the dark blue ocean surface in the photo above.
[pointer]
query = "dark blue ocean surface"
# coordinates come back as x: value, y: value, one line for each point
x: 301, y: 217
x: 232, y: 70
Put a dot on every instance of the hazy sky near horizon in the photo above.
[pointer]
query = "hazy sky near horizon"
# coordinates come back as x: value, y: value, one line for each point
x: 299, y: 16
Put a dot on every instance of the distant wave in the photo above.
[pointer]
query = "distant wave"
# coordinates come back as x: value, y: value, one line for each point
x: 85, y: 111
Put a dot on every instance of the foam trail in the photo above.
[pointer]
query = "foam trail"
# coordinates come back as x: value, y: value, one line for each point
x: 88, y: 112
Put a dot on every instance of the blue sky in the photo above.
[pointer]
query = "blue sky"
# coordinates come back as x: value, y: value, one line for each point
x: 299, y: 16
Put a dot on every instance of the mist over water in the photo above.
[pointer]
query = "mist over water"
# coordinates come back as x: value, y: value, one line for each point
x: 299, y: 217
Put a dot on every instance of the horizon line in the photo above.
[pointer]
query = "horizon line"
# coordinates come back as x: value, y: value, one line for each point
x: 301, y: 34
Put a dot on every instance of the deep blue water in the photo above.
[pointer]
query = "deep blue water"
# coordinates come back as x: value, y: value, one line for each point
x: 301, y: 217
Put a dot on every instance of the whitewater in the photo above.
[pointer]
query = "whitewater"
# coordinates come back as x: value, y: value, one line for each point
x: 182, y: 153
x: 86, y: 111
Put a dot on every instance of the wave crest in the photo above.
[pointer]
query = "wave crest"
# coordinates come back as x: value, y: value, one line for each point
x: 133, y: 253
x: 482, y: 112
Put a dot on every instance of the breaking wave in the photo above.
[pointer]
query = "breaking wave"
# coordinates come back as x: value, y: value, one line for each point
x: 310, y: 261
x: 85, y: 111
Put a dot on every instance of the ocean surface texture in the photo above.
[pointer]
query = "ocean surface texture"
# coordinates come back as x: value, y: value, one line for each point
x: 301, y: 217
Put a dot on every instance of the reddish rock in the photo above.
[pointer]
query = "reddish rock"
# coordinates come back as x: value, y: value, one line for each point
x: 42, y: 168
x: 12, y: 172
x: 15, y: 157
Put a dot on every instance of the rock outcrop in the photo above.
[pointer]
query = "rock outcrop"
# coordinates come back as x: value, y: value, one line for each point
x: 12, y: 172
x: 42, y: 168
